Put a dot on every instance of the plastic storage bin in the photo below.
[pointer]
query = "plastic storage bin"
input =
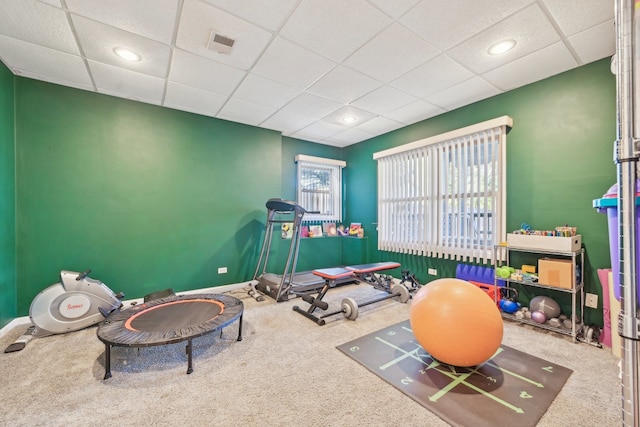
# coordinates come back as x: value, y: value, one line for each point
x: 608, y: 205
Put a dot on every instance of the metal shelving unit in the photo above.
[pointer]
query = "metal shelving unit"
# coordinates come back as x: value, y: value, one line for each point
x: 501, y: 257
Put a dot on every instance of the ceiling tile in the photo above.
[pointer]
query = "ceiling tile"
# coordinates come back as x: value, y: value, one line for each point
x: 259, y: 90
x: 320, y: 129
x: 130, y: 97
x: 37, y: 23
x: 269, y: 15
x: 379, y: 125
x: 287, y: 123
x: 350, y: 136
x: 334, y: 28
x: 62, y: 81
x: 99, y: 40
x: 384, y: 99
x: 245, y: 112
x: 539, y: 65
x: 360, y: 116
x: 395, y: 8
x: 310, y: 105
x: 197, y: 22
x: 391, y: 53
x: 43, y: 63
x: 302, y: 63
x: 197, y: 101
x: 132, y: 16
x: 127, y: 84
x: 575, y: 16
x: 530, y: 28
x: 55, y: 3
x: 434, y: 76
x: 195, y: 71
x: 343, y: 84
x: 446, y: 24
x: 414, y: 112
x: 465, y: 93
x: 596, y: 43
x: 291, y: 64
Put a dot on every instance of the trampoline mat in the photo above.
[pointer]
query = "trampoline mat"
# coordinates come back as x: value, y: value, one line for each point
x: 511, y: 389
x: 175, y: 315
x: 169, y: 320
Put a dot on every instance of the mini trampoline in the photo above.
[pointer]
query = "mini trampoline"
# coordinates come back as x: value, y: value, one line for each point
x: 167, y: 321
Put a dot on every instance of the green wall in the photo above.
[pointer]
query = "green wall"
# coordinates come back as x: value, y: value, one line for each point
x: 7, y: 199
x: 146, y: 197
x: 559, y: 159
x: 292, y: 147
x: 314, y: 253
x: 150, y: 198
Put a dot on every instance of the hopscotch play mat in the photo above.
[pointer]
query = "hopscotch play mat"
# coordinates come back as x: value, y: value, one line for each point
x: 512, y: 388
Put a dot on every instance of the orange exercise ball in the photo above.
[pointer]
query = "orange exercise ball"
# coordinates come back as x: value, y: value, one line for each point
x: 456, y: 322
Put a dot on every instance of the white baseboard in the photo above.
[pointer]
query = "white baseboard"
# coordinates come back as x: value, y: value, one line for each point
x: 18, y: 321
x: 25, y: 320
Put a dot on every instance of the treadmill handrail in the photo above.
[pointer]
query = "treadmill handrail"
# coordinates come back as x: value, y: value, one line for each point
x: 281, y: 205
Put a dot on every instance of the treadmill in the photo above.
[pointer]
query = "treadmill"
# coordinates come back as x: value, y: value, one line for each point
x: 289, y: 284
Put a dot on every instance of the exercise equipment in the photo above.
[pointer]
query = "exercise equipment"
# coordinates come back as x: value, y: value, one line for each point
x: 455, y: 322
x: 514, y: 389
x: 74, y: 303
x: 509, y: 303
x: 545, y: 304
x: 364, y: 273
x: 282, y: 286
x: 538, y: 316
x: 410, y: 278
x: 590, y: 334
x: 22, y: 341
x: 169, y: 320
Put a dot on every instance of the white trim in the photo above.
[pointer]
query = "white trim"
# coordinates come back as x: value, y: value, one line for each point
x: 457, y: 133
x: 18, y: 321
x: 321, y: 160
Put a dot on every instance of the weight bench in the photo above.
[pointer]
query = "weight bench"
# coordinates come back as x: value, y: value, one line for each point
x: 364, y: 273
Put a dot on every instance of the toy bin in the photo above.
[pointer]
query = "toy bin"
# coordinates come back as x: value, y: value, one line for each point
x: 608, y: 205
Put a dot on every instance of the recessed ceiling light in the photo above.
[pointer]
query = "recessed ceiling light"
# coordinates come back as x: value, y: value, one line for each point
x: 126, y: 54
x: 502, y: 47
x: 349, y: 119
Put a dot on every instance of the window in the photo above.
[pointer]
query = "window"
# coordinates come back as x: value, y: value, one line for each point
x: 445, y: 196
x: 319, y: 185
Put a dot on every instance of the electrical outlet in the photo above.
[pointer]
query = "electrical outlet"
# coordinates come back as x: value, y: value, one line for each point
x: 222, y: 270
x: 591, y: 300
x: 432, y: 271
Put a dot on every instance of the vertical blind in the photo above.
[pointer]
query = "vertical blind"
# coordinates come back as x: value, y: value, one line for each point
x: 444, y: 196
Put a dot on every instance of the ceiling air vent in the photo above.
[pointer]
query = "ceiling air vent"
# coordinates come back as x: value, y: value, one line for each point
x: 219, y: 43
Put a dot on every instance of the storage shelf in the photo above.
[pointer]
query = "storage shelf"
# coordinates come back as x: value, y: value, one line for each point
x: 526, y: 321
x: 501, y: 257
x: 542, y: 286
x: 541, y: 251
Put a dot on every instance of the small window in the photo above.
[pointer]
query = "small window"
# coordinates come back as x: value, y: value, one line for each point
x: 319, y: 184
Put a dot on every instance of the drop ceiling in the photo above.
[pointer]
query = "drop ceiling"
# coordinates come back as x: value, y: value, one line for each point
x: 301, y: 66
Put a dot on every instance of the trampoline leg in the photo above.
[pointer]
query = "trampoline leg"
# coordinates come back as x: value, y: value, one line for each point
x: 240, y: 329
x: 107, y: 361
x: 189, y: 358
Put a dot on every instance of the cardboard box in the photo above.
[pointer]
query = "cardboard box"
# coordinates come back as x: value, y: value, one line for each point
x: 556, y: 272
x: 545, y: 243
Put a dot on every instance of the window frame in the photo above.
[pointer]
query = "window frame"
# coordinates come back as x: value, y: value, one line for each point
x: 335, y: 188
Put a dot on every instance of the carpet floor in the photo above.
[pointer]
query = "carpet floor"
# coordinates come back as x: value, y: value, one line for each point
x: 286, y: 371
